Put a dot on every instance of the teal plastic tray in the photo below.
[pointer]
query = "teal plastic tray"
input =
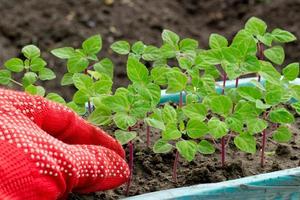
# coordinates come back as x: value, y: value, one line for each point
x: 279, y: 185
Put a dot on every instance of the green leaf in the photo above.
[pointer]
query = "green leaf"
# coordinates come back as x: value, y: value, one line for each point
x: 64, y: 52
x: 121, y: 47
x: 210, y: 57
x: 170, y: 37
x: 118, y: 103
x: 37, y: 64
x: 217, y: 128
x: 80, y: 110
x: 291, y: 71
x: 282, y: 134
x: 256, y: 125
x: 295, y: 89
x: 169, y: 114
x: 188, y: 44
x: 221, y: 105
x: 161, y: 146
x: 281, y: 115
x: 139, y: 108
x: 136, y: 71
x: 92, y: 45
x: 244, y: 43
x: 185, y: 63
x: 29, y: 78
x: 40, y: 91
x: 83, y: 82
x: 296, y: 106
x: 196, y: 128
x: 77, y: 63
x: 67, y: 79
x: 150, y: 93
x: 217, y: 41
x: 206, y: 147
x: 103, y: 86
x: 138, y: 47
x: 14, y: 64
x: 256, y: 26
x: 151, y: 53
x: 187, y: 149
x: 260, y: 105
x: 80, y: 97
x: 269, y: 73
x: 247, y: 110
x: 266, y: 39
x: 105, y: 66
x: 274, y: 93
x: 5, y: 77
x: 246, y: 143
x: 275, y: 54
x: 282, y: 36
x: 55, y: 97
x: 159, y: 75
x: 125, y: 136
x: 123, y: 120
x: 235, y: 123
x: 100, y: 116
x: 195, y: 111
x: 31, y: 51
x: 31, y: 89
x: 46, y: 74
x: 176, y: 81
x: 171, y: 132
x: 250, y: 93
x: 168, y: 51
x: 155, y: 123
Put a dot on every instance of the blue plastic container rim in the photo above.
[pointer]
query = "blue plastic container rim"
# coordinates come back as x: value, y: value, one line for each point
x: 279, y: 185
x: 285, y: 182
x: 174, y: 97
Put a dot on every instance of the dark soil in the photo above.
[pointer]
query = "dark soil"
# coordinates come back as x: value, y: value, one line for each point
x: 153, y: 172
x: 56, y: 23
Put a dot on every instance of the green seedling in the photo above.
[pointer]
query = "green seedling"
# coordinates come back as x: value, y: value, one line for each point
x: 32, y: 69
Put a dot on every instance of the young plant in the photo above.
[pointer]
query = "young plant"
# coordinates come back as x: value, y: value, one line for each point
x: 91, y: 76
x: 32, y: 69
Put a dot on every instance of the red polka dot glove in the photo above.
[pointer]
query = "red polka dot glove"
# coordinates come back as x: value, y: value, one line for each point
x: 46, y: 151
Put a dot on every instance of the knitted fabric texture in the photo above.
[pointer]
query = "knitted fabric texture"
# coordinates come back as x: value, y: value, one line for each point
x: 47, y: 151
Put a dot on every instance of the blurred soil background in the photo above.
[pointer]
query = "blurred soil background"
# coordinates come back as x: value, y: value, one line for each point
x: 56, y: 23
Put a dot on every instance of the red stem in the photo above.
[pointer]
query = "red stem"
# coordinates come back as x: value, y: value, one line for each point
x: 180, y: 100
x: 223, y: 138
x: 260, y: 47
x: 262, y: 160
x: 175, y: 167
x: 263, y: 146
x: 89, y: 103
x: 131, y: 149
x: 224, y: 82
x: 237, y: 82
x: 177, y: 153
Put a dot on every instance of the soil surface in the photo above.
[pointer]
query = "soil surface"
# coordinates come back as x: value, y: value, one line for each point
x: 153, y: 172
x: 56, y: 23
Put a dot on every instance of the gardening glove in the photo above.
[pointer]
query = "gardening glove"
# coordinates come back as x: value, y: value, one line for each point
x: 47, y: 151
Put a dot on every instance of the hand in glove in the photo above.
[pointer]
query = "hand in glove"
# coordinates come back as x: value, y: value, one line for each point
x: 46, y: 151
